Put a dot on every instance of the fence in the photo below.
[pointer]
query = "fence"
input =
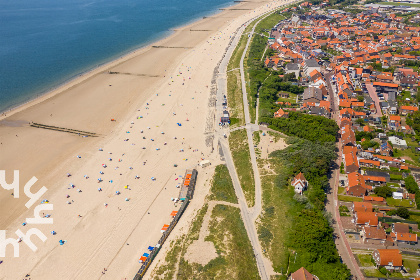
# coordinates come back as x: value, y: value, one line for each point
x: 186, y: 197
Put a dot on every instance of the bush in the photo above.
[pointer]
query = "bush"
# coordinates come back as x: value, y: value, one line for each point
x: 313, y: 128
x: 383, y: 270
x: 403, y: 212
x: 384, y: 191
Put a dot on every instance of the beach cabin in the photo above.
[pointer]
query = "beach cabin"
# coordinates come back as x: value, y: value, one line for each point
x: 205, y: 163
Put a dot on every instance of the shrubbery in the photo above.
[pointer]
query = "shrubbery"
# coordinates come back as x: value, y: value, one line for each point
x: 317, y: 129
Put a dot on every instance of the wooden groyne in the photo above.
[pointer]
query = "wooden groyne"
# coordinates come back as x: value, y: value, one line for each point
x: 186, y: 193
x: 63, y: 129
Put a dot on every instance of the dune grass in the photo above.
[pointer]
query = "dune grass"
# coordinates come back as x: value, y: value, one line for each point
x: 238, y: 143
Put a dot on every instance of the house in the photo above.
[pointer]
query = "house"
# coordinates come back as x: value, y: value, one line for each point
x: 302, y: 274
x: 281, y: 114
x: 397, y: 195
x: 408, y: 110
x: 293, y: 68
x: 375, y: 180
x: 283, y: 94
x: 379, y: 173
x: 362, y: 207
x: 374, y: 199
x: 397, y: 142
x: 369, y: 163
x: 366, y: 219
x: 356, y: 185
x: 406, y: 238
x: 310, y: 65
x: 373, y: 233
x: 386, y: 149
x: 381, y: 87
x: 300, y: 183
x: 312, y: 94
x: 391, y: 259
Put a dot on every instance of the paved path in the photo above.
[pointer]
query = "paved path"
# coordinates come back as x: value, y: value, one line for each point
x: 248, y: 215
x: 224, y: 150
x: 331, y: 206
x: 374, y: 96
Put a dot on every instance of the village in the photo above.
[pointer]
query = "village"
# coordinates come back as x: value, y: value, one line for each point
x: 359, y: 67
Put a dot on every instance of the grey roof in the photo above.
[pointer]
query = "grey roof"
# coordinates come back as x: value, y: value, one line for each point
x: 292, y: 66
x: 312, y: 92
x: 311, y: 63
x: 378, y: 174
x: 392, y: 96
x: 384, y: 104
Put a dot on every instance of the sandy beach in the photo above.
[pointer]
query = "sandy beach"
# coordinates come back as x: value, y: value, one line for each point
x: 159, y: 97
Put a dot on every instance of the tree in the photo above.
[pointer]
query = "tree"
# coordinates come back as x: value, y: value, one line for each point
x: 360, y: 121
x: 403, y: 213
x: 384, y: 191
x: 411, y: 184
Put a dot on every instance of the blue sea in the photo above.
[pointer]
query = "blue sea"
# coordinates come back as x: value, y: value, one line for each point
x: 44, y: 43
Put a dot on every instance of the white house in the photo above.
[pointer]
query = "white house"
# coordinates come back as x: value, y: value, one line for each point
x: 299, y: 183
x: 397, y: 195
x: 397, y: 142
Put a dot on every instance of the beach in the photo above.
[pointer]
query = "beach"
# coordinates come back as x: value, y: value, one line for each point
x: 109, y: 210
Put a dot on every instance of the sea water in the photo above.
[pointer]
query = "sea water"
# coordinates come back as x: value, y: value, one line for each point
x: 45, y: 43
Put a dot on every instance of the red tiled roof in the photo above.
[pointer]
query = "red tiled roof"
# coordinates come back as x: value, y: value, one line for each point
x: 387, y: 256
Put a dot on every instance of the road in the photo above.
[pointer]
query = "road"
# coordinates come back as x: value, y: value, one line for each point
x: 331, y: 206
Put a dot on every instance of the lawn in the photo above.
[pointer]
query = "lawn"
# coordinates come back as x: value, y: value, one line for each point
x: 398, y: 153
x: 395, y: 177
x: 398, y: 202
x: 234, y: 97
x: 291, y: 99
x: 410, y: 263
x: 376, y: 273
x: 415, y: 218
x: 341, y: 190
x: 365, y: 260
x: 393, y: 185
x: 348, y: 198
x: 222, y: 186
x: 238, y: 143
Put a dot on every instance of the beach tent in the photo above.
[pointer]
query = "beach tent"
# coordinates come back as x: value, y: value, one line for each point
x: 146, y: 255
x: 173, y: 214
x: 143, y: 259
x: 151, y: 248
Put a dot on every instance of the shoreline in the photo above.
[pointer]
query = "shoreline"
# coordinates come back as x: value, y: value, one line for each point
x: 108, y: 63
